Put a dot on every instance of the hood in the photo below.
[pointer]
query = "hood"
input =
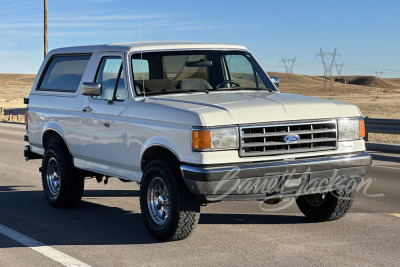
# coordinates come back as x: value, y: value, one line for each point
x: 247, y: 107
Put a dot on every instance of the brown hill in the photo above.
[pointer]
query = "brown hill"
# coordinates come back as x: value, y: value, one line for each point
x: 17, y: 79
x: 13, y: 88
x: 370, y: 81
x: 312, y: 85
x: 393, y: 81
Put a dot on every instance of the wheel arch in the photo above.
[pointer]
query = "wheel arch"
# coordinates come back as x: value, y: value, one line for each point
x: 158, y: 151
x: 52, y: 134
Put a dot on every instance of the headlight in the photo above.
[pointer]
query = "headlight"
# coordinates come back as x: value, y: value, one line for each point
x: 351, y: 129
x: 209, y: 139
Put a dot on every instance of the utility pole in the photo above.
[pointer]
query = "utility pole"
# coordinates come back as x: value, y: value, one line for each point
x: 45, y: 29
x: 288, y: 62
x: 328, y: 59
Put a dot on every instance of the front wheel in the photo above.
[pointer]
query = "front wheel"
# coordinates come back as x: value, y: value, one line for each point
x: 326, y: 206
x: 170, y: 212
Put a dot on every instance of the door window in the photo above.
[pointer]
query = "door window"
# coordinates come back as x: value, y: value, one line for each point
x: 111, y: 77
x: 241, y: 71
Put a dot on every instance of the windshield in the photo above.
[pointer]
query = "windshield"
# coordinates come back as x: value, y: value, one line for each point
x: 183, y: 71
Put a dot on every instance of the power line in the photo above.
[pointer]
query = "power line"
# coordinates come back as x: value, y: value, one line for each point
x: 367, y: 67
x: 368, y: 70
x: 6, y: 4
x: 308, y: 64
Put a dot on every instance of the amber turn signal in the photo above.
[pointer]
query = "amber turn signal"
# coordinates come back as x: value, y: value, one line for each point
x: 362, y: 128
x: 201, y: 139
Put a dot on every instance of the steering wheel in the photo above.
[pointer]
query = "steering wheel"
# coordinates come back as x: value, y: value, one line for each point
x: 227, y: 82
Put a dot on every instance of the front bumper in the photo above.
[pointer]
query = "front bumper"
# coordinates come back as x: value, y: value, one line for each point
x: 258, y: 181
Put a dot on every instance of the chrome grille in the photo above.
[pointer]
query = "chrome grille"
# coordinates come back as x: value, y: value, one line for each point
x: 263, y: 140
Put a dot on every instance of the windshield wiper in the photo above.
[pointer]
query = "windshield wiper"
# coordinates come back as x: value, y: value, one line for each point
x: 244, y: 88
x: 178, y: 91
x: 193, y: 90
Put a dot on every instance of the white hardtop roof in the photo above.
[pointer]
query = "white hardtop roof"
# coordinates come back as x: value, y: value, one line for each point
x: 146, y: 46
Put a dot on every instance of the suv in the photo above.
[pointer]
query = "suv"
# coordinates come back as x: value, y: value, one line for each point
x: 192, y: 123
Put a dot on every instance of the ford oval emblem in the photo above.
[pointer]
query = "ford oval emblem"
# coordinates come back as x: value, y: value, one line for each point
x: 291, y: 138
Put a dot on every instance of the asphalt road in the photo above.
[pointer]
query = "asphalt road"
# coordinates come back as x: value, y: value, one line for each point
x: 107, y: 229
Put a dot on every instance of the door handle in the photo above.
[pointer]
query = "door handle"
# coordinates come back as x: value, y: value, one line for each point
x: 87, y: 109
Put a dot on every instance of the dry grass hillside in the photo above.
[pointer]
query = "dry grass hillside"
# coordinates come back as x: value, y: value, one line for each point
x: 13, y: 88
x: 377, y: 98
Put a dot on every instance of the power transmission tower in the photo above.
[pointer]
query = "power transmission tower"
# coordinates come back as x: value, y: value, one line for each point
x: 339, y: 68
x: 328, y: 59
x: 45, y: 29
x: 289, y: 63
x: 379, y: 73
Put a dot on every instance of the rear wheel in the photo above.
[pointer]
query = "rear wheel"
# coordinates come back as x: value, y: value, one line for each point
x: 326, y: 206
x: 170, y: 212
x: 62, y: 182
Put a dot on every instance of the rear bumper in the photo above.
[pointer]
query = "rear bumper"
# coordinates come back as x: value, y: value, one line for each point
x: 258, y: 181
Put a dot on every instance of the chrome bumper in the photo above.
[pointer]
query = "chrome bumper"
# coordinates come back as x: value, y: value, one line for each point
x: 254, y: 181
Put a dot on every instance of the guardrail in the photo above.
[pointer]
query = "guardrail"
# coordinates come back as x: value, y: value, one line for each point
x: 14, y: 111
x: 12, y: 114
x: 385, y: 126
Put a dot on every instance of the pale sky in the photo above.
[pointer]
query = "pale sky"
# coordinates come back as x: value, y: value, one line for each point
x: 366, y: 33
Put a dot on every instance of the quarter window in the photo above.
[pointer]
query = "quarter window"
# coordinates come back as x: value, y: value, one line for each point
x: 64, y: 73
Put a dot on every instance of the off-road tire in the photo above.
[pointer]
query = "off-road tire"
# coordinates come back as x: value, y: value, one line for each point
x: 69, y: 179
x: 334, y: 206
x: 184, y: 208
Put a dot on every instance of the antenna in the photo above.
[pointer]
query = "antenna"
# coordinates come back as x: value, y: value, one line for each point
x: 141, y: 59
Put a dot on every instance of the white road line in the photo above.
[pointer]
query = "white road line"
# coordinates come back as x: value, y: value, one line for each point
x: 387, y: 167
x: 47, y: 251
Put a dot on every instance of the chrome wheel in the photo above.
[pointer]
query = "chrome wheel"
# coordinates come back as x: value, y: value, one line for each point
x: 315, y: 200
x: 53, y: 177
x: 158, y: 200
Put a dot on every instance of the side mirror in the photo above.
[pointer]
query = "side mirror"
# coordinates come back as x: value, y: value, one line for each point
x: 91, y: 89
x: 275, y: 80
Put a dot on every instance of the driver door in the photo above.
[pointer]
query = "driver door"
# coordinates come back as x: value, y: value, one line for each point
x: 104, y: 124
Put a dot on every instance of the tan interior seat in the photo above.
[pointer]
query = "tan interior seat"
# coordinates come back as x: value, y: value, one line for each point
x: 156, y: 85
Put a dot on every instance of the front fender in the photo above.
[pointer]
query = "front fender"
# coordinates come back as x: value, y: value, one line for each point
x: 161, y: 142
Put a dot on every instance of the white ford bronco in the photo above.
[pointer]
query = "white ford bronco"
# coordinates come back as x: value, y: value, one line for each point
x: 192, y: 123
